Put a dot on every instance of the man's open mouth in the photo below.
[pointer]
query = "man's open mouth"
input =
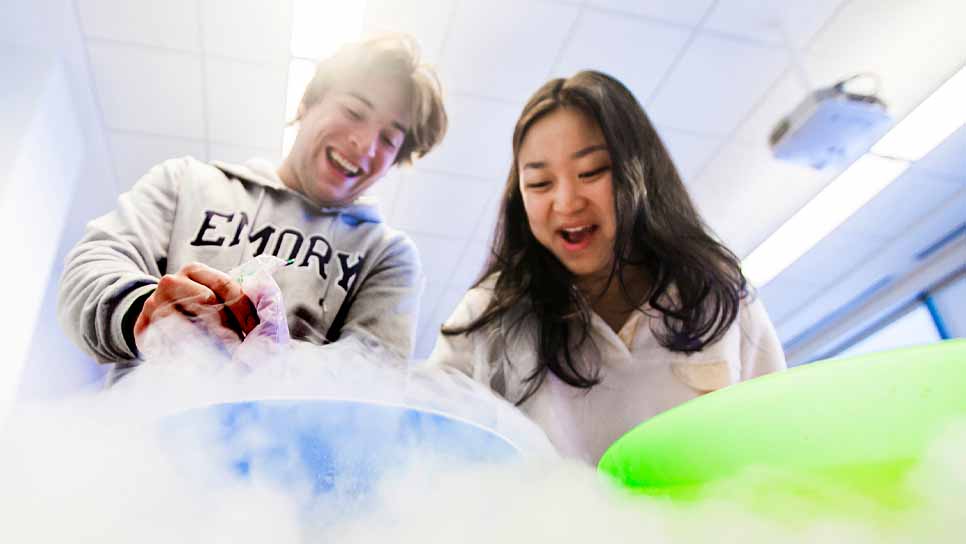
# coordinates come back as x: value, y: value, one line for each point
x: 342, y: 164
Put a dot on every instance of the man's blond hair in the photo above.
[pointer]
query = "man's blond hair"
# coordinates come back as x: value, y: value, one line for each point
x: 396, y: 55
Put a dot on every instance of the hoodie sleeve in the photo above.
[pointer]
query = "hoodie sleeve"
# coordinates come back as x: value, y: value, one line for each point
x: 386, y: 304
x: 117, y: 264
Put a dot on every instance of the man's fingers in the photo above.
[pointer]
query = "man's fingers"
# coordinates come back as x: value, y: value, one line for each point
x: 227, y: 291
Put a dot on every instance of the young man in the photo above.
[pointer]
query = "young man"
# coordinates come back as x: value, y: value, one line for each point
x: 165, y: 249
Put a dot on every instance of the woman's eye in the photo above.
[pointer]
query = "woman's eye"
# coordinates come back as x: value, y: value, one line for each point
x: 594, y: 173
x: 538, y: 184
x: 389, y: 142
x: 353, y: 113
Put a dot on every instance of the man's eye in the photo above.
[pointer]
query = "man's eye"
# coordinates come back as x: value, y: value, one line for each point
x: 594, y: 173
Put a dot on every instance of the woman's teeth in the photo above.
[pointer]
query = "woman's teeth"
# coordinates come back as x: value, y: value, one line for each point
x: 344, y: 163
x: 576, y: 234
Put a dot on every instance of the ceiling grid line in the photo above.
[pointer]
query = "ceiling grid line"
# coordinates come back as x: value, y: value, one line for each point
x: 97, y: 103
x: 288, y: 75
x: 442, y: 171
x: 581, y: 8
x: 732, y: 136
x: 695, y: 31
x: 639, y: 17
x: 204, y: 81
x: 98, y: 40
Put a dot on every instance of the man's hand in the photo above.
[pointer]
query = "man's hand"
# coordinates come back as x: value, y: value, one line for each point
x: 205, y: 296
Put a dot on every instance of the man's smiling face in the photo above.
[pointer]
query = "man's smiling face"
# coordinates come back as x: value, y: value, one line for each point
x: 348, y: 140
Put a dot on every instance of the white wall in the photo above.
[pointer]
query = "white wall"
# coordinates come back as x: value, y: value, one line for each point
x: 51, y: 144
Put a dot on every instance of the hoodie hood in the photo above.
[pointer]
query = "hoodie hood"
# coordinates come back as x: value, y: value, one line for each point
x: 263, y: 172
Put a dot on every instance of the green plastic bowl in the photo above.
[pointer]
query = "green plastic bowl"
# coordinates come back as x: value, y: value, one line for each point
x: 834, y: 436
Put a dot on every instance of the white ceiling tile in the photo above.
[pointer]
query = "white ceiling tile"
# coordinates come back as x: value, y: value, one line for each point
x: 478, y: 141
x: 172, y: 24
x: 783, y: 296
x: 690, y: 151
x: 685, y: 12
x: 425, y: 20
x: 948, y: 159
x: 153, y: 91
x: 425, y: 343
x: 901, y: 205
x: 426, y: 324
x: 255, y: 30
x: 715, y: 85
x: 446, y: 300
x: 450, y: 298
x: 637, y: 52
x: 427, y: 306
x: 504, y: 48
x: 745, y: 195
x: 240, y: 154
x: 783, y: 97
x: 440, y: 204
x: 246, y: 102
x: 471, y: 264
x: 491, y: 210
x: 385, y: 190
x: 910, y: 46
x: 438, y: 255
x: 767, y: 20
x: 135, y: 154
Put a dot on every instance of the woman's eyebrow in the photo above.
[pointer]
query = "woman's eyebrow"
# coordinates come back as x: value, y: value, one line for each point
x: 536, y: 165
x: 588, y: 150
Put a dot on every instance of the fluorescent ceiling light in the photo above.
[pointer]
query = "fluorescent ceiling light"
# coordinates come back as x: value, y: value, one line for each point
x: 851, y: 190
x: 319, y: 27
x: 929, y: 124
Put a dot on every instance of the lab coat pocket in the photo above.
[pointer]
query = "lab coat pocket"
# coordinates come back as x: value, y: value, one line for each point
x: 705, y: 376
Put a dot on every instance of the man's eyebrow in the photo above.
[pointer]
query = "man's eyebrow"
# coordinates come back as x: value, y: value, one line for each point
x: 397, y: 124
x: 588, y: 150
x: 362, y: 99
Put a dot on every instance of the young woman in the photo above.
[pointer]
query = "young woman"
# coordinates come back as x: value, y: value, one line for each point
x: 606, y: 301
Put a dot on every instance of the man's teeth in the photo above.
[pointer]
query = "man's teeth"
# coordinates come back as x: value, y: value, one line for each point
x: 344, y: 163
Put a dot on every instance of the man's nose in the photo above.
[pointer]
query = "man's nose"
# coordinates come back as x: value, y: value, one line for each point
x: 365, y: 140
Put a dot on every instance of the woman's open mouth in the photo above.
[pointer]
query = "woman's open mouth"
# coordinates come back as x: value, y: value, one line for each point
x: 577, y: 238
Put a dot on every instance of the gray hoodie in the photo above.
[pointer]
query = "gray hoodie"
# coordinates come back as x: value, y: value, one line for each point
x: 349, y: 267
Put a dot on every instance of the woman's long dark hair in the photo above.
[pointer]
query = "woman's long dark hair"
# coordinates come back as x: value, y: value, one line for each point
x: 693, y: 280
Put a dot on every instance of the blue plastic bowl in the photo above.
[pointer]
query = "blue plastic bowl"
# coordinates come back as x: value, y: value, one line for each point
x: 324, y: 446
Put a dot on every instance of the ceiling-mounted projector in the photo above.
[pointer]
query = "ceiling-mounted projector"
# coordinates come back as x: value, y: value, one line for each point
x: 830, y: 128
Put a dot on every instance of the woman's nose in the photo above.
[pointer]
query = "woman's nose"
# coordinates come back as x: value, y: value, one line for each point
x: 567, y: 198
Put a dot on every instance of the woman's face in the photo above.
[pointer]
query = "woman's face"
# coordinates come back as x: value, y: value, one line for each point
x: 568, y: 192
